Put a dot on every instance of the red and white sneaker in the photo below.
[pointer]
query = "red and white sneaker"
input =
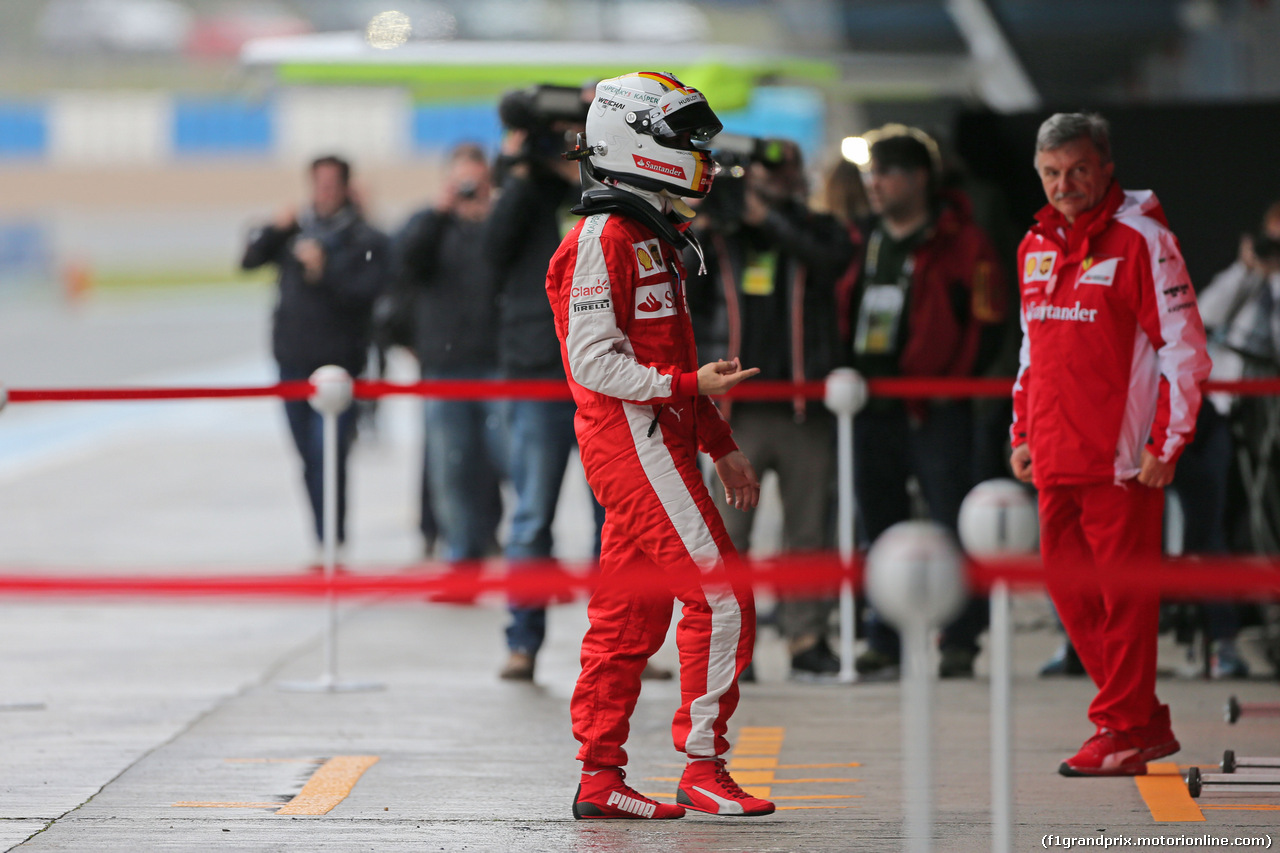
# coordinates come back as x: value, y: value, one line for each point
x: 1156, y: 737
x: 1107, y: 753
x: 604, y: 794
x: 706, y: 786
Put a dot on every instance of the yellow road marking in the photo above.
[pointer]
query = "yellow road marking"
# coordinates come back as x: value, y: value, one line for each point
x: 823, y: 797
x: 741, y: 763
x: 274, y: 805
x: 737, y: 763
x: 329, y: 785
x: 1166, y: 795
x: 818, y: 766
x: 754, y: 763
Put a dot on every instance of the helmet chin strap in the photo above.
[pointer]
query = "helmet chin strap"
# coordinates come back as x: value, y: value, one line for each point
x: 679, y: 206
x: 681, y: 210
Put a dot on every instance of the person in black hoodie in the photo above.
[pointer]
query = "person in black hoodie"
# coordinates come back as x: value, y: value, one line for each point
x: 332, y: 265
x: 774, y: 265
x: 529, y: 218
x: 447, y: 282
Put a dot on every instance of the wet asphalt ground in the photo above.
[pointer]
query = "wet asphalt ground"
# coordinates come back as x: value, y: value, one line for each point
x: 162, y: 724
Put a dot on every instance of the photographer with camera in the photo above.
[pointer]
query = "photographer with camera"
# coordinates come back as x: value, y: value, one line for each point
x: 1242, y: 306
x: 524, y: 230
x: 773, y: 266
x: 1241, y: 313
x: 331, y: 266
x: 447, y: 287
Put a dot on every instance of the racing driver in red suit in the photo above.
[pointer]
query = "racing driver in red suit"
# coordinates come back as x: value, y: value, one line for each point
x: 616, y: 286
x: 1108, y: 389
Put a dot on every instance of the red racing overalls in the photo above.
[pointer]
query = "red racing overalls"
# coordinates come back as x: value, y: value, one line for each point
x: 617, y: 291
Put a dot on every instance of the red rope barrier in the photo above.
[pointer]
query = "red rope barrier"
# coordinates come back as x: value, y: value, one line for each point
x: 466, y: 389
x: 797, y: 576
x: 557, y: 389
x: 1192, y: 578
x: 297, y: 390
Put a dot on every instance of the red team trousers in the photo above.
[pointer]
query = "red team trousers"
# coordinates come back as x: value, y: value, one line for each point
x: 1088, y: 533
x: 663, y: 539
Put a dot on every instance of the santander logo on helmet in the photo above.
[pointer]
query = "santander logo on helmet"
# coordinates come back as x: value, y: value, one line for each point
x: 642, y: 129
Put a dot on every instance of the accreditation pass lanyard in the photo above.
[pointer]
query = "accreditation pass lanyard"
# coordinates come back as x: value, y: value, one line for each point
x: 882, y: 306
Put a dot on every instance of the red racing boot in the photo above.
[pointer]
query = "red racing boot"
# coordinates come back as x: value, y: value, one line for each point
x: 605, y: 794
x: 706, y: 786
x: 1107, y: 753
x: 1157, y: 738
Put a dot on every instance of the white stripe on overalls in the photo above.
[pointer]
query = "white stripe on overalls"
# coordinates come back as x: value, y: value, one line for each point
x: 726, y: 615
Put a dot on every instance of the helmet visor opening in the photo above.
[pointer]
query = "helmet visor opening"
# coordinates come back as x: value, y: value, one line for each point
x: 682, y: 127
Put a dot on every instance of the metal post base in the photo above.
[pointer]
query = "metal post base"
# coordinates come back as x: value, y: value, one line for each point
x: 326, y: 685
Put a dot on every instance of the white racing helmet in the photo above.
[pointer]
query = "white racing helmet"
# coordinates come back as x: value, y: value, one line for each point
x: 641, y: 131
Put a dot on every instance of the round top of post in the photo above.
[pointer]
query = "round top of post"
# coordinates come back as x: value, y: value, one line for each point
x: 845, y: 392
x: 914, y: 573
x: 998, y: 519
x: 333, y: 390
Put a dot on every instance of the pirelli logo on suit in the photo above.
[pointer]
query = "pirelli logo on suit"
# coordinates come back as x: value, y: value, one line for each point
x: 591, y: 295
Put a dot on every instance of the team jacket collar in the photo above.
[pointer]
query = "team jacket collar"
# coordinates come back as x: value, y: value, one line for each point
x: 1075, y: 237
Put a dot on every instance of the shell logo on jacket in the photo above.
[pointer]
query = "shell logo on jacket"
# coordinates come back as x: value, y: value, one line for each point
x: 1039, y: 266
x: 649, y: 257
x: 1113, y: 349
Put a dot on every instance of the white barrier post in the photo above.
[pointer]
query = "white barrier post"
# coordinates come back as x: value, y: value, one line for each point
x: 1001, y: 720
x: 16, y: 706
x: 998, y: 519
x: 845, y: 395
x: 914, y: 580
x: 332, y: 397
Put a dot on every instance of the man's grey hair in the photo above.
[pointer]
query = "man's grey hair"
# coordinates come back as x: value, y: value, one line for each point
x: 1060, y: 129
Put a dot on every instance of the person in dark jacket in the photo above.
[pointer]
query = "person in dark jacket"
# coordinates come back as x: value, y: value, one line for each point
x: 529, y: 218
x: 448, y: 282
x: 929, y: 301
x: 332, y: 266
x: 772, y: 268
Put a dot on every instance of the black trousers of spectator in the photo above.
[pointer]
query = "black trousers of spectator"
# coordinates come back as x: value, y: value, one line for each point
x: 935, y: 446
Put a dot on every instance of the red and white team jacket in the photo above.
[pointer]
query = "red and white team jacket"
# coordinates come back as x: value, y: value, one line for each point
x: 1113, y: 349
x: 618, y: 294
